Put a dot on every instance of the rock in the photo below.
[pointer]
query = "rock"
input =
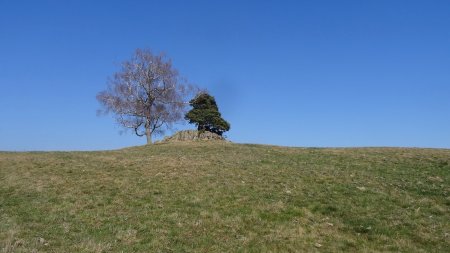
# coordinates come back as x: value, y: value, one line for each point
x: 192, y: 135
x: 362, y: 188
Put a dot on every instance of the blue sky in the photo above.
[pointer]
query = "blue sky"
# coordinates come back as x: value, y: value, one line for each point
x: 295, y: 73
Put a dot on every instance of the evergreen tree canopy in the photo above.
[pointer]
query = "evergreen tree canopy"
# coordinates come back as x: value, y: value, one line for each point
x: 205, y: 114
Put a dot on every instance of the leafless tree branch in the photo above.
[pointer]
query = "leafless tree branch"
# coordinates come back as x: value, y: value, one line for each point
x: 147, y: 94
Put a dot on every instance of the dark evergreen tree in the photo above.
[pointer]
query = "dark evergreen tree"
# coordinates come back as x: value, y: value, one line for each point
x: 205, y: 114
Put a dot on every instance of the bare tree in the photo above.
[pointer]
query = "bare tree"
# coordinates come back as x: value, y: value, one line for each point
x: 147, y: 95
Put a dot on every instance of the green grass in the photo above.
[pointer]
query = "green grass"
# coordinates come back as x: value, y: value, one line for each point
x: 223, y: 197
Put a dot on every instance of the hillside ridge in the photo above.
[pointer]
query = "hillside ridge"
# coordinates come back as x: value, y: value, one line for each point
x: 216, y: 196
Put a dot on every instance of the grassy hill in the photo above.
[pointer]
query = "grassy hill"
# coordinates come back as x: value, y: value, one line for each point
x: 223, y: 197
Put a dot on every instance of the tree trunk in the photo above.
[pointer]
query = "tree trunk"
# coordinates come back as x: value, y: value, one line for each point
x: 148, y: 133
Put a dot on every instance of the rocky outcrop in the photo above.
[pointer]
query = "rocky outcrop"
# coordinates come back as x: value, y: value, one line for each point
x: 193, y: 135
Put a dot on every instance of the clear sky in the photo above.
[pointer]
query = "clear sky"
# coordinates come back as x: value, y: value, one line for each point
x: 295, y: 73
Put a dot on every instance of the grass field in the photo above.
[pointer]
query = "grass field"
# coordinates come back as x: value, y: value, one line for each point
x: 223, y: 197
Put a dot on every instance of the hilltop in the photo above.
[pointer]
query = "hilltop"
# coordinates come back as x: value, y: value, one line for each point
x: 225, y: 197
x: 192, y: 135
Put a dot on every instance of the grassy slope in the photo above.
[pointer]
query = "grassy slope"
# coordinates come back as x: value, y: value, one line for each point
x: 209, y: 197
